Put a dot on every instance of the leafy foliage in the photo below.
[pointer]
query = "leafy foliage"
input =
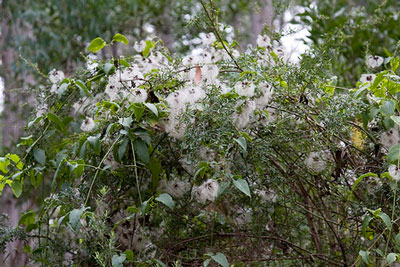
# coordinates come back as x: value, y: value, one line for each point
x: 227, y: 157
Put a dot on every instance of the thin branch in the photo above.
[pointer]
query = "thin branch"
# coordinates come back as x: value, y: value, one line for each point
x: 215, y: 28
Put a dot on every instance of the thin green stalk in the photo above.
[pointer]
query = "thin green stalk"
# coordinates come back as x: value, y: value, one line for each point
x: 390, y: 230
x: 98, y: 169
x: 136, y: 173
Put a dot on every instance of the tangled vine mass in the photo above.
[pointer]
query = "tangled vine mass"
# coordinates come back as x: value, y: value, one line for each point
x: 219, y: 157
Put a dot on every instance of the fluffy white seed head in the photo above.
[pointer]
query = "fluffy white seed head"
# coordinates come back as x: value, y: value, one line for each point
x: 56, y: 76
x: 207, y: 191
x: 394, y: 171
x: 374, y: 61
x: 88, y: 124
x: 367, y: 78
x: 317, y: 161
x: 245, y: 88
x: 390, y: 138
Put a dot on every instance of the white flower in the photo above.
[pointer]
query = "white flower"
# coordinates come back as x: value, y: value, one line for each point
x: 56, y: 76
x: 267, y: 117
x: 207, y: 154
x: 174, y: 127
x: 317, y: 161
x: 138, y: 96
x: 267, y: 196
x: 394, y: 171
x: 177, y: 188
x: 242, y: 119
x: 390, y: 138
x: 266, y: 93
x: 210, y: 72
x: 131, y: 74
x: 87, y: 124
x: 193, y: 94
x: 279, y: 52
x: 245, y: 88
x: 176, y: 101
x: 207, y: 191
x: 374, y: 61
x: 113, y: 87
x: 140, y: 46
x: 41, y: 110
x: 208, y: 39
x: 264, y: 41
x: 367, y: 78
x: 243, y: 216
x: 191, y: 60
x: 54, y: 88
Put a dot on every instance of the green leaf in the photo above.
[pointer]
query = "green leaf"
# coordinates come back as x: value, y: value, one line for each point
x: 159, y: 263
x: 4, y: 162
x: 149, y: 46
x: 386, y: 219
x: 27, y: 218
x: 138, y: 110
x: 359, y: 179
x: 61, y: 220
x: 142, y: 134
x: 141, y: 150
x: 129, y: 255
x: 83, y: 87
x: 242, y: 186
x: 388, y: 107
x: 108, y: 68
x: 125, y: 121
x: 397, y: 239
x: 96, y: 45
x: 122, y: 148
x: 56, y: 120
x: 201, y: 169
x: 394, y: 63
x: 152, y: 107
x: 117, y: 261
x: 206, y: 262
x: 75, y: 217
x: 39, y: 155
x: 82, y: 151
x: 166, y: 200
x: 15, y: 158
x: 16, y: 188
x: 120, y: 38
x: 378, y: 79
x: 35, y: 179
x: 94, y: 142
x: 365, y: 223
x: 391, y: 257
x: 146, y: 205
x: 220, y: 259
x: 222, y: 188
x: 242, y: 142
x: 364, y: 256
x: 388, y: 123
x: 132, y: 209
x: 396, y: 119
x: 393, y: 154
x: 124, y: 63
x: 62, y: 89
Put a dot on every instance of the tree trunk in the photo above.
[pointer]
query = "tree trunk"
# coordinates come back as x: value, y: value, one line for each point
x: 12, y: 127
x: 262, y: 19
